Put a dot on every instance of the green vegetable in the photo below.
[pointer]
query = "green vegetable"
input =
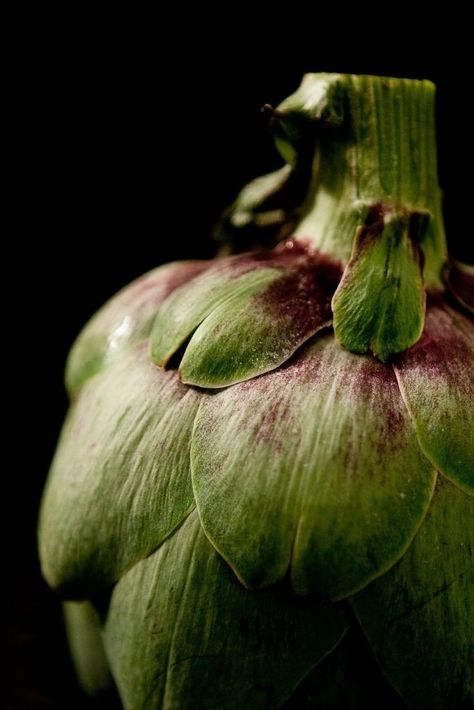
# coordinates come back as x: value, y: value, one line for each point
x: 270, y: 451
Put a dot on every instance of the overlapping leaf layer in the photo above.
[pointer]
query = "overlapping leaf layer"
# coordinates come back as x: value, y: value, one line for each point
x: 241, y: 487
x: 314, y: 478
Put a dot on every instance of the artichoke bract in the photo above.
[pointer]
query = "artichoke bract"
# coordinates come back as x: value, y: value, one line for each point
x: 271, y: 450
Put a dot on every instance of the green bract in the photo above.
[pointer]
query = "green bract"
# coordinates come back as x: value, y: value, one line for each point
x: 270, y: 451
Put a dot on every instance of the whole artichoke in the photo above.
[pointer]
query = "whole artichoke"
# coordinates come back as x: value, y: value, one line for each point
x: 267, y: 450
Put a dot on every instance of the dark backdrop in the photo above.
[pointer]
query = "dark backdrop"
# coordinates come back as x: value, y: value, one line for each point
x: 126, y: 148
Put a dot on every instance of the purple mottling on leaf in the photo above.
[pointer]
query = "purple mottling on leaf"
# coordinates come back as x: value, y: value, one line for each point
x: 302, y: 296
x: 160, y: 283
x: 446, y: 345
x: 291, y: 254
x: 373, y: 227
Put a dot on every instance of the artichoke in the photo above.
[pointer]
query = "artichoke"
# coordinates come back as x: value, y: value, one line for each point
x: 269, y: 451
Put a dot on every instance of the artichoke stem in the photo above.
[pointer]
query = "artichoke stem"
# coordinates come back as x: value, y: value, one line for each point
x: 374, y: 142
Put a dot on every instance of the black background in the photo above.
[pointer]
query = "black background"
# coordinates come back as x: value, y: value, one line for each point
x: 129, y: 136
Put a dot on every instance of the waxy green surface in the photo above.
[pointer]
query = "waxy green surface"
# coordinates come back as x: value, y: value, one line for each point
x: 246, y: 316
x: 120, y: 480
x: 182, y: 633
x: 125, y: 320
x: 314, y: 467
x: 436, y: 378
x: 186, y: 308
x: 419, y: 617
x: 84, y: 635
x: 379, y: 306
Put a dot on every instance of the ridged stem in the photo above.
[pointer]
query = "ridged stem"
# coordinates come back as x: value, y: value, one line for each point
x: 375, y: 143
